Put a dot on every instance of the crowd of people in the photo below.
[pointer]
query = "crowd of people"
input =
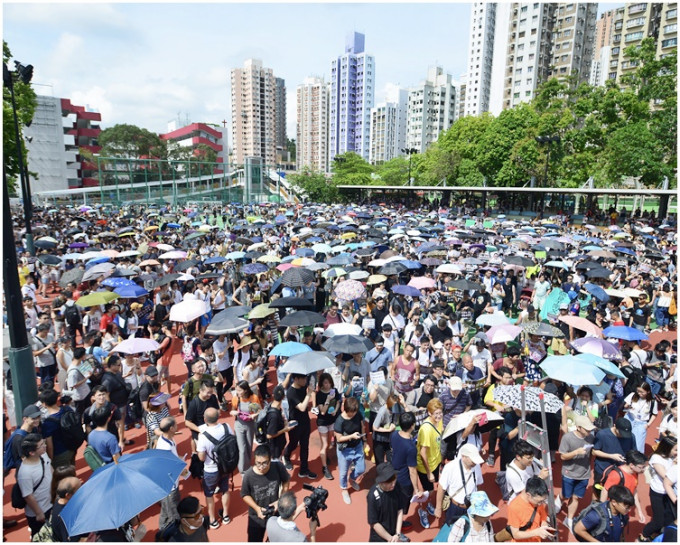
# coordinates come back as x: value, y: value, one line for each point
x: 408, y: 339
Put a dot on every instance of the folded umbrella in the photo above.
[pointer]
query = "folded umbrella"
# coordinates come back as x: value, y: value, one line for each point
x: 348, y: 344
x: 571, y: 370
x: 308, y: 363
x: 117, y: 492
x: 289, y: 349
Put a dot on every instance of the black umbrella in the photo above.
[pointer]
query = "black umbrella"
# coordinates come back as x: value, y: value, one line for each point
x: 519, y: 260
x: 254, y: 255
x: 392, y: 268
x: 587, y: 265
x: 292, y: 302
x: 463, y: 285
x: 244, y: 241
x: 348, y: 344
x: 184, y: 265
x: 204, y: 275
x: 302, y: 318
x: 44, y: 244
x: 297, y: 277
x: 48, y: 259
x: 165, y: 279
x: 124, y: 272
x: 74, y: 275
x: 598, y: 273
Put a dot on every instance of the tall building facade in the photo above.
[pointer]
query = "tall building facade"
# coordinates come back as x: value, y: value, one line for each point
x: 431, y: 109
x: 388, y: 129
x: 603, y: 32
x: 480, y: 58
x: 253, y: 112
x: 281, y: 138
x: 352, y: 94
x: 573, y: 40
x: 312, y: 125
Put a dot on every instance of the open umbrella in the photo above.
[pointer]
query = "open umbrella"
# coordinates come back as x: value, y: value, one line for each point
x: 308, y: 363
x: 224, y: 323
x: 289, y: 349
x: 495, y: 319
x: 48, y: 259
x: 541, y: 329
x: 302, y: 318
x: 597, y: 347
x: 255, y: 268
x: 297, y: 277
x: 376, y: 279
x: 116, y: 492
x: 136, y: 345
x: 624, y: 332
x: 512, y: 396
x: 261, y: 311
x: 96, y: 298
x: 406, y: 290
x: 555, y: 299
x: 97, y: 271
x: 350, y: 290
x: 115, y: 282
x: 166, y: 279
x: 187, y: 310
x: 348, y: 344
x: 74, y: 275
x: 422, y: 282
x: 519, y: 260
x: 342, y: 329
x: 392, y: 268
x: 463, y: 285
x: 292, y: 302
x: 571, y: 370
x: 503, y: 333
x: 461, y: 421
x: 607, y: 366
x: 131, y: 291
x: 582, y: 325
x: 597, y: 292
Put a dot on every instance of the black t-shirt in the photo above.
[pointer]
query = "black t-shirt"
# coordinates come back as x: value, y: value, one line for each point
x: 480, y: 302
x: 197, y: 408
x: 383, y: 509
x: 264, y: 489
x: 424, y: 399
x: 147, y: 390
x: 118, y: 393
x: 115, y: 417
x: 348, y: 427
x: 275, y: 424
x: 640, y: 314
x: 446, y: 310
x: 59, y: 528
x: 326, y: 419
x: 295, y: 397
x: 438, y: 335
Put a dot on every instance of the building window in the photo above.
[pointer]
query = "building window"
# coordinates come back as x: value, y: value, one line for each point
x: 633, y: 36
x: 671, y: 28
x: 672, y: 13
x: 635, y: 22
x: 637, y: 8
x: 669, y: 43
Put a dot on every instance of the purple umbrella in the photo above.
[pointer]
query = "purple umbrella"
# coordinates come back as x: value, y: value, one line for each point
x: 406, y: 290
x: 79, y: 245
x: 597, y: 347
x: 255, y: 268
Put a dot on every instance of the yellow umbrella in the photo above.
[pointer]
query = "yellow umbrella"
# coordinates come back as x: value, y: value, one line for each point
x: 49, y: 239
x: 269, y: 259
x: 204, y: 228
x: 334, y: 272
x: 345, y: 236
x: 302, y: 262
x: 128, y: 234
x: 376, y: 279
x: 151, y: 228
x: 96, y: 298
x: 261, y: 311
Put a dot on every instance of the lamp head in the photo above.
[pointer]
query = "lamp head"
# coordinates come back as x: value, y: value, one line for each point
x: 25, y: 72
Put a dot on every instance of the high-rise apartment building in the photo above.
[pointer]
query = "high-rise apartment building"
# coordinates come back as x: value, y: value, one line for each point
x: 603, y: 32
x: 253, y: 112
x: 312, y: 125
x: 281, y: 138
x: 480, y: 58
x: 352, y: 94
x: 431, y: 109
x: 537, y: 41
x: 388, y: 129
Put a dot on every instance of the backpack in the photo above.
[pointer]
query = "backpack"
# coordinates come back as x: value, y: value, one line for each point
x: 155, y: 357
x: 188, y: 354
x: 45, y: 534
x: 225, y: 454
x: 72, y: 315
x: 164, y: 534
x: 634, y: 378
x: 502, y: 482
x: 135, y: 409
x: 8, y: 461
x: 602, y: 526
x: 262, y: 423
x: 93, y: 458
x: 660, y: 537
x: 606, y: 473
x: 443, y: 534
x: 72, y: 434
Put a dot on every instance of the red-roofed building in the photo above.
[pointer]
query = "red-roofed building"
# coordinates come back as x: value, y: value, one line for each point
x: 195, y: 134
x: 85, y: 132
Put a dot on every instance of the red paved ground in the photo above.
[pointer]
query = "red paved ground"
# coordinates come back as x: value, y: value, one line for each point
x: 340, y: 522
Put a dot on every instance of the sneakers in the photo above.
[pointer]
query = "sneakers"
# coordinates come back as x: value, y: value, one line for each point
x: 327, y: 474
x: 424, y: 521
x: 403, y: 538
x: 215, y: 524
x: 491, y: 460
x: 287, y: 464
x: 569, y: 523
x: 346, y: 498
x: 226, y: 519
x: 354, y: 485
x: 430, y: 509
x: 308, y: 474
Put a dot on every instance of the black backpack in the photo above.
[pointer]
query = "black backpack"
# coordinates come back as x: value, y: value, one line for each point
x: 72, y: 315
x: 634, y: 378
x: 262, y: 423
x: 72, y: 434
x: 607, y: 471
x: 135, y: 409
x: 225, y: 454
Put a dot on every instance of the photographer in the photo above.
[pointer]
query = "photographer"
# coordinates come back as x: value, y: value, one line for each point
x: 283, y: 528
x: 260, y: 491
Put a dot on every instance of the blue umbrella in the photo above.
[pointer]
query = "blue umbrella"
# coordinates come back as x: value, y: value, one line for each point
x: 571, y: 370
x: 406, y: 290
x: 116, y: 492
x: 216, y: 259
x: 255, y: 268
x: 174, y: 225
x: 624, y: 332
x: 304, y: 252
x: 606, y: 365
x: 409, y: 264
x: 131, y: 292
x: 289, y: 349
x: 117, y: 282
x: 96, y: 261
x: 597, y: 292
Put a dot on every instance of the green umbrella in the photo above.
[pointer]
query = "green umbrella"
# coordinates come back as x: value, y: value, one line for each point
x: 552, y: 303
x: 261, y: 311
x: 96, y: 298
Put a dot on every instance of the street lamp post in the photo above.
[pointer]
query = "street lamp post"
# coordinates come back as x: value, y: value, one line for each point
x: 409, y: 152
x: 547, y: 140
x: 25, y: 73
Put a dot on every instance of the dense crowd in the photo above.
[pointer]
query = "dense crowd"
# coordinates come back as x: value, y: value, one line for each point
x: 426, y: 342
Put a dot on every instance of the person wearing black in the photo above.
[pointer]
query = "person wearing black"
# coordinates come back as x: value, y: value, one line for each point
x: 379, y: 312
x: 150, y: 386
x: 261, y: 486
x: 162, y: 310
x: 65, y: 490
x: 385, y: 512
x: 192, y: 524
x: 641, y: 314
x: 440, y: 331
x: 444, y: 308
x: 115, y: 384
x: 299, y: 395
x: 276, y: 424
x: 482, y: 301
x: 100, y: 401
x: 205, y: 399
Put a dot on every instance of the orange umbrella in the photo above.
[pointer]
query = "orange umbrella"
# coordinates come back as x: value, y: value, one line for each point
x: 582, y: 324
x: 657, y: 336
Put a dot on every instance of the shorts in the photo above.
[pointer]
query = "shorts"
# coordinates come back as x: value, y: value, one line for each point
x: 212, y: 480
x: 206, y: 319
x: 324, y: 429
x: 427, y: 485
x: 163, y: 370
x: 574, y: 487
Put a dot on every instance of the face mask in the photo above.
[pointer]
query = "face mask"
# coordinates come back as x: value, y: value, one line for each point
x: 191, y: 526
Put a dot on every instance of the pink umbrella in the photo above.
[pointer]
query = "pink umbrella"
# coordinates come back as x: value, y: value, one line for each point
x: 582, y: 325
x: 503, y: 333
x: 422, y: 282
x: 284, y: 266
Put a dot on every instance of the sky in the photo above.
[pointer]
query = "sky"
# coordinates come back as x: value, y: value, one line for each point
x: 147, y: 64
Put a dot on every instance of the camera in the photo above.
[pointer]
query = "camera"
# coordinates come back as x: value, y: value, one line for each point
x: 315, y: 502
x: 268, y: 511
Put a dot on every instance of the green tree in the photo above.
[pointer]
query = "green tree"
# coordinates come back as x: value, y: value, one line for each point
x: 292, y: 148
x: 26, y: 102
x: 314, y: 185
x: 351, y: 169
x: 393, y: 172
x: 131, y: 142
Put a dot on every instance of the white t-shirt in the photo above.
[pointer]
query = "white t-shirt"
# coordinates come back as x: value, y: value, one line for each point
x: 222, y: 346
x: 203, y: 444
x: 452, y: 480
x: 517, y: 478
x: 668, y: 465
x: 640, y: 409
x: 480, y: 358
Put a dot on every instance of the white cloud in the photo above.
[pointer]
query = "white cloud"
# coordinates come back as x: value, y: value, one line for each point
x: 95, y: 99
x: 67, y: 53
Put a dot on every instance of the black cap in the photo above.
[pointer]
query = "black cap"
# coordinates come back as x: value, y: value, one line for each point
x: 151, y: 371
x: 31, y: 411
x: 385, y: 472
x: 624, y: 427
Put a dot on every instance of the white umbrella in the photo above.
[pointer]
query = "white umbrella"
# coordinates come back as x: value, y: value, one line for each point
x: 187, y: 311
x: 136, y: 345
x: 165, y: 247
x: 461, y: 421
x: 129, y: 253
x: 173, y: 254
x: 308, y: 362
x: 450, y: 268
x: 497, y: 318
x: 342, y: 329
